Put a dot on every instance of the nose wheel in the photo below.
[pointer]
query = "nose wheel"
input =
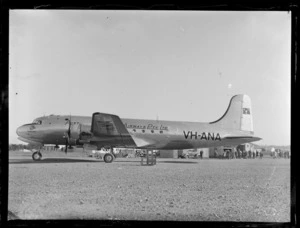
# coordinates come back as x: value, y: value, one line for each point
x: 37, y: 156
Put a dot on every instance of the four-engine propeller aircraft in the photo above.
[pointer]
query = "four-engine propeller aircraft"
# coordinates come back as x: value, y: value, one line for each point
x: 106, y: 130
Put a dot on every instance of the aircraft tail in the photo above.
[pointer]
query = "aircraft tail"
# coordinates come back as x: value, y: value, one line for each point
x: 238, y: 115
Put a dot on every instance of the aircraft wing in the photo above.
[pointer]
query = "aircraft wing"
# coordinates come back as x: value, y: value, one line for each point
x: 104, y: 124
x: 109, y: 129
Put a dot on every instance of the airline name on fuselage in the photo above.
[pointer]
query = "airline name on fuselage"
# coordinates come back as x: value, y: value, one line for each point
x: 202, y: 136
x: 149, y: 126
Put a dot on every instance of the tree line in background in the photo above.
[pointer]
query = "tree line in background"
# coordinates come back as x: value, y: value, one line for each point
x: 23, y: 146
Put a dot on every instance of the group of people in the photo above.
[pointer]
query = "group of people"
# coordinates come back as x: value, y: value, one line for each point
x: 239, y: 154
x: 280, y: 154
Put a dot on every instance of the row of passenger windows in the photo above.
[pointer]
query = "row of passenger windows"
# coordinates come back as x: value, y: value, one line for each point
x: 143, y: 131
x: 39, y: 122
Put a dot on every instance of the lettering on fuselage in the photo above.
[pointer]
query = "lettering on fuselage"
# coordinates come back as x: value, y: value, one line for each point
x: 149, y: 126
x: 203, y: 136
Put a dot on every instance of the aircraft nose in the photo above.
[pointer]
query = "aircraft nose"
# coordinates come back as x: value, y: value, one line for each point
x: 21, y: 130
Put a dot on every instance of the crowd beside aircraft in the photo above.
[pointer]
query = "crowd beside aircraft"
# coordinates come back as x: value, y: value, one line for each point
x: 240, y: 154
x: 278, y: 153
x: 251, y: 154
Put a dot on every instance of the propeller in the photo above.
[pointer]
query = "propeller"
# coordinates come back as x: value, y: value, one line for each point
x: 68, y: 134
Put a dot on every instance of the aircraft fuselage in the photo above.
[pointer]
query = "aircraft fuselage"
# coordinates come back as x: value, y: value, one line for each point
x: 151, y: 134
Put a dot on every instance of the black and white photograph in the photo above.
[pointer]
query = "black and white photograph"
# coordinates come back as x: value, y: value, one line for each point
x: 150, y: 115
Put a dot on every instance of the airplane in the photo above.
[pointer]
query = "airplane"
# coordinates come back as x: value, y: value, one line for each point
x: 104, y: 130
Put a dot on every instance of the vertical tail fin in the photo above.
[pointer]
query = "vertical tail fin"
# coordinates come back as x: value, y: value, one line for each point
x: 238, y: 115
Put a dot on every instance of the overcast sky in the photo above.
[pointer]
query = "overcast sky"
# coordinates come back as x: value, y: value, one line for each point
x: 142, y: 64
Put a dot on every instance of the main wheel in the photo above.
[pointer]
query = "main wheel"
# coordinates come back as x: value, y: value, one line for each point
x: 108, y: 158
x: 36, y: 156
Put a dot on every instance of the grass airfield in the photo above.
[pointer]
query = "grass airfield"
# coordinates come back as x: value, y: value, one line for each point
x: 74, y: 186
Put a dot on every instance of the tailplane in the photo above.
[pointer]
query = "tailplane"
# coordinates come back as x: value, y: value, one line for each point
x: 238, y: 115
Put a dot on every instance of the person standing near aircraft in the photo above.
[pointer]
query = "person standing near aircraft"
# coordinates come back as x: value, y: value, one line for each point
x: 224, y: 154
x: 273, y: 152
x: 261, y: 155
x: 240, y: 153
x: 215, y: 153
x: 235, y: 152
x: 201, y: 154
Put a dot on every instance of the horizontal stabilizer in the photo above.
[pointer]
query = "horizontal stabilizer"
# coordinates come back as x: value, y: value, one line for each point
x: 242, y: 137
x: 239, y: 139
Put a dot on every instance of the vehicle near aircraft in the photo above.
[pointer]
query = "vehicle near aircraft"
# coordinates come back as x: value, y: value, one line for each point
x: 101, y: 153
x: 103, y: 130
x: 192, y: 154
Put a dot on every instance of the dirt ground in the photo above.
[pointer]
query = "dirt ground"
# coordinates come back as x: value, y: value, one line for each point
x: 73, y: 186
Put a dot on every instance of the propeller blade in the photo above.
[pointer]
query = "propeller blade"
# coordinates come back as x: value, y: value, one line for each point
x: 68, y: 134
x: 66, y: 148
x: 69, y: 130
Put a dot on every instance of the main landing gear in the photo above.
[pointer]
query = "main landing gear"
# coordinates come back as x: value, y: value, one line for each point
x: 37, y: 156
x: 109, y: 155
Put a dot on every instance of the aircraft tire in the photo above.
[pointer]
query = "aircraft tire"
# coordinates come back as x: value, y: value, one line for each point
x: 108, y: 158
x: 36, y: 156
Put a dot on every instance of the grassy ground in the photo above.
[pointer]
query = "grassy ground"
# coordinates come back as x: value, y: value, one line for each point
x: 74, y: 186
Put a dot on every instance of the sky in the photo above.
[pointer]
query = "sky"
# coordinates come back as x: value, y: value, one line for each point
x: 170, y: 65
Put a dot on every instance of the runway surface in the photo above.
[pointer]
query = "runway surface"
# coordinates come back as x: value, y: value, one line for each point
x: 77, y: 187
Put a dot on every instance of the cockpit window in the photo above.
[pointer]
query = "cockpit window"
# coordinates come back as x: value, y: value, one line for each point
x: 37, y: 122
